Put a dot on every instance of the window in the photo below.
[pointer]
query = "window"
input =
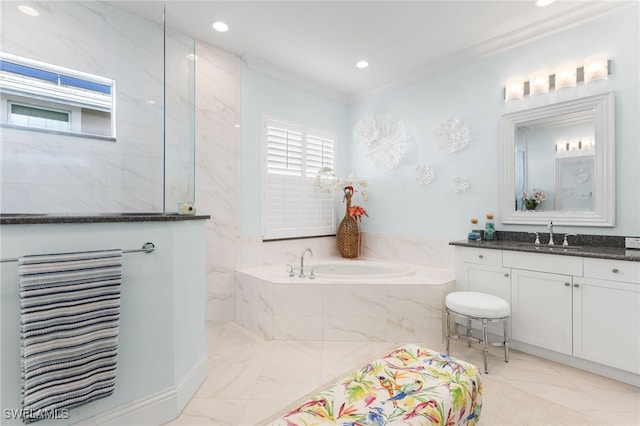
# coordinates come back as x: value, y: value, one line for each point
x: 292, y: 204
x: 36, y: 95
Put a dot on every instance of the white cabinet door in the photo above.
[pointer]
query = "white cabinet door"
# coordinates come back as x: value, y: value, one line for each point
x: 492, y: 280
x: 541, y: 309
x: 606, y: 320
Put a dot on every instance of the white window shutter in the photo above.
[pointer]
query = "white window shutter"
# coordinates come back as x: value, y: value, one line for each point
x: 292, y: 204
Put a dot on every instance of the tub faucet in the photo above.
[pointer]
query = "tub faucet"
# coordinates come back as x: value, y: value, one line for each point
x: 550, y: 227
x: 302, y: 261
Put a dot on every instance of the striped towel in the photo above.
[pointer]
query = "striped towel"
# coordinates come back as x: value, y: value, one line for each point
x: 70, y: 311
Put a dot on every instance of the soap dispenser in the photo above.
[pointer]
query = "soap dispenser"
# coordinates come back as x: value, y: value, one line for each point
x: 489, y: 229
x: 473, y: 234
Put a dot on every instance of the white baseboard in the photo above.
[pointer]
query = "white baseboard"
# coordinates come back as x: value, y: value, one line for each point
x: 158, y: 408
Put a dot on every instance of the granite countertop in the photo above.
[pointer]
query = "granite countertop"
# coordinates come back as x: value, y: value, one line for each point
x: 594, y: 246
x: 28, y: 219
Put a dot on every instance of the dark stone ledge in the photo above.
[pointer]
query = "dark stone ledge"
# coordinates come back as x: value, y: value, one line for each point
x: 28, y: 219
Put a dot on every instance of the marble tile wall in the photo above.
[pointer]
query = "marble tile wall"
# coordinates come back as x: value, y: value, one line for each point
x: 341, y: 312
x: 43, y: 172
x: 217, y: 171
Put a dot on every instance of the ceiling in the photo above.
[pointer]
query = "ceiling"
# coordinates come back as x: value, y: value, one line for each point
x: 316, y: 44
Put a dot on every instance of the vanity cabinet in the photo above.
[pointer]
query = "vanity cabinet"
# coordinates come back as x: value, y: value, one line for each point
x: 581, y: 308
x: 541, y: 309
x: 606, y: 314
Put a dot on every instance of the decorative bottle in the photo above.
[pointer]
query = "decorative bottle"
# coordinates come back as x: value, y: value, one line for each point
x: 489, y: 228
x: 473, y: 234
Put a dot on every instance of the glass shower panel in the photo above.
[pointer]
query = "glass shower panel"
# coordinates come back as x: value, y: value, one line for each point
x: 180, y: 63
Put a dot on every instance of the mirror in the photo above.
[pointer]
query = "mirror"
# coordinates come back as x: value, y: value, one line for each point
x: 558, y: 163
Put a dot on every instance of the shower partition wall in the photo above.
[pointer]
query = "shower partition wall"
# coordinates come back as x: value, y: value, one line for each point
x: 147, y: 164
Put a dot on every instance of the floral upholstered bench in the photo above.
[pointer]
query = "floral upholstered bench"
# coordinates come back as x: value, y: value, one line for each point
x: 409, y: 386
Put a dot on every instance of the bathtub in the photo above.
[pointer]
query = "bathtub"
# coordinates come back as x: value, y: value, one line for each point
x: 347, y: 300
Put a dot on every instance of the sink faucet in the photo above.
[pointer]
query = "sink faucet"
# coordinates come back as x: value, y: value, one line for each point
x: 550, y: 227
x: 302, y: 261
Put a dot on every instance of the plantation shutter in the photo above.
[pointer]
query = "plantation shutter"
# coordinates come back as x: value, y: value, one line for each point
x: 292, y: 204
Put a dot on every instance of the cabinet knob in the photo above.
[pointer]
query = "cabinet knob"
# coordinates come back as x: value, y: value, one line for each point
x: 615, y: 270
x: 576, y: 285
x: 506, y: 275
x: 567, y: 284
x: 480, y: 256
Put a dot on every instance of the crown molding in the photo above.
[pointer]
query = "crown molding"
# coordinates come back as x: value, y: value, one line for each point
x: 579, y: 15
x: 269, y: 70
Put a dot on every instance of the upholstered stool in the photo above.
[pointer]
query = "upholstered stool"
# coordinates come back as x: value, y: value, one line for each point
x: 481, y: 307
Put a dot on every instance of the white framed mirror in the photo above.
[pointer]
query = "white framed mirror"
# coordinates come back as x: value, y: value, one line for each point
x: 562, y: 156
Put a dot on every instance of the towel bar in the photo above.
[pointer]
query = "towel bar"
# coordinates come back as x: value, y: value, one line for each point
x: 146, y: 247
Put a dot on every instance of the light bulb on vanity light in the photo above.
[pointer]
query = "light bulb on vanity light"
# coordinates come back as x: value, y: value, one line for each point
x: 514, y: 89
x: 539, y: 82
x: 596, y: 68
x: 566, y: 75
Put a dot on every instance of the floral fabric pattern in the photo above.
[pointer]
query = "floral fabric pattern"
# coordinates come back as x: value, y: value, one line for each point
x: 409, y: 386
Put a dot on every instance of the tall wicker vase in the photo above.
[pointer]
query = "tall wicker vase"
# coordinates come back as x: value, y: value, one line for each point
x: 348, y: 234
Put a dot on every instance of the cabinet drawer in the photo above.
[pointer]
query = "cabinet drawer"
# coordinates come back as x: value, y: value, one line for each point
x: 567, y: 265
x: 479, y: 256
x: 614, y: 270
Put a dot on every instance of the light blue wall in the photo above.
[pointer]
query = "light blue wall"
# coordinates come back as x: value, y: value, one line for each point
x: 265, y: 96
x: 474, y: 94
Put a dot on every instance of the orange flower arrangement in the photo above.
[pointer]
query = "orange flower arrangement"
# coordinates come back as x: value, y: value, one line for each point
x: 355, y: 212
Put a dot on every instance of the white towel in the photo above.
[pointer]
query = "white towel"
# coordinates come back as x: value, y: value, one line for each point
x: 70, y: 312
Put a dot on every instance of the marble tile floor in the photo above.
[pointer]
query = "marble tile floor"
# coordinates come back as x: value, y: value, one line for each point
x: 250, y: 379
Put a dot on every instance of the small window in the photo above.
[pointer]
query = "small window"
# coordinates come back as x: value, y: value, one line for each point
x: 36, y: 95
x: 292, y: 204
x: 30, y: 116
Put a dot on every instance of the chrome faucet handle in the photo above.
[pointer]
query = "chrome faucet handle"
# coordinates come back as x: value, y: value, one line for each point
x: 311, y: 275
x: 537, y: 241
x: 291, y: 273
x: 565, y: 243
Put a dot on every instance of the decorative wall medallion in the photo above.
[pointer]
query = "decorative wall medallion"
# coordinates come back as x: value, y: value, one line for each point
x: 383, y: 138
x: 580, y: 175
x: 460, y: 184
x: 424, y: 174
x: 451, y: 136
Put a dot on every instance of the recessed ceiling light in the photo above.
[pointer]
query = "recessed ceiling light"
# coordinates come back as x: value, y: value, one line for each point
x: 362, y: 64
x: 28, y: 10
x: 220, y: 26
x: 543, y: 3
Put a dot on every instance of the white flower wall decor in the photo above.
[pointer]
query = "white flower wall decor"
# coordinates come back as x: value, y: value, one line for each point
x: 451, y: 136
x: 383, y: 138
x: 461, y: 184
x: 424, y: 174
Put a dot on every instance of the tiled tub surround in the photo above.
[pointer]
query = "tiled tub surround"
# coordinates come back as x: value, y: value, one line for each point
x: 406, y: 306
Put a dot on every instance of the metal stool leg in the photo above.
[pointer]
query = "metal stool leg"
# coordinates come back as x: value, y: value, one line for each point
x: 506, y: 339
x: 485, y: 339
x: 468, y: 332
x: 448, y: 330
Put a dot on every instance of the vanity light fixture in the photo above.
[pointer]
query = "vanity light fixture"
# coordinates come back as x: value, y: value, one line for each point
x: 514, y: 89
x: 28, y: 10
x: 574, y: 145
x: 220, y: 26
x: 596, y: 67
x: 539, y: 82
x: 566, y: 75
